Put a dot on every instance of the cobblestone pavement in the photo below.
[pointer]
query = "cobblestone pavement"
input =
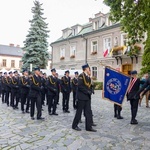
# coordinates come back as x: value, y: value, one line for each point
x: 18, y: 131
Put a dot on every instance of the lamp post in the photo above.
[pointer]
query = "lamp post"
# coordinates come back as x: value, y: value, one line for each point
x: 30, y: 67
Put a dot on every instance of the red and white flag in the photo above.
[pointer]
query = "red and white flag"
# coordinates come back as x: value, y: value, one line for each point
x: 105, y: 53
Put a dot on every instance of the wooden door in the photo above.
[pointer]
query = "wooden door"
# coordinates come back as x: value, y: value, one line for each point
x: 126, y: 68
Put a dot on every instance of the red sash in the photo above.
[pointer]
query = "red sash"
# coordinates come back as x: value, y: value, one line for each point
x: 132, y: 84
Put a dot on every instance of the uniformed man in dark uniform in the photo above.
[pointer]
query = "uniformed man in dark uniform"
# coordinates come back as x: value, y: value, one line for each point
x: 52, y: 93
x: 4, y: 87
x: 84, y: 93
x: 1, y: 83
x: 66, y: 89
x: 58, y: 87
x: 8, y: 89
x: 74, y: 88
x: 15, y: 90
x: 25, y: 88
x: 35, y: 94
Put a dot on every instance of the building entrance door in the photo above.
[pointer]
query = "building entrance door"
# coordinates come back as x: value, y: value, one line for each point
x: 126, y: 68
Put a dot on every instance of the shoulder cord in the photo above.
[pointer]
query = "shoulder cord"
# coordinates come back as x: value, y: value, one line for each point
x: 64, y: 81
x: 37, y: 84
x: 13, y: 81
x: 74, y: 82
x: 50, y: 80
x: 86, y: 83
x: 24, y: 83
x: 7, y: 80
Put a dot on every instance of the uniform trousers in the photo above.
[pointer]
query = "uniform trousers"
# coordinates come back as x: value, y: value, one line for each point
x: 65, y: 103
x: 52, y: 103
x: 36, y: 101
x: 134, y: 108
x: 74, y: 100
x: 25, y: 100
x: 15, y: 98
x: 83, y: 105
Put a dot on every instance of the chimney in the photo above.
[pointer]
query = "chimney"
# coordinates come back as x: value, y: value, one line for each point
x: 90, y: 19
x: 17, y: 45
x: 11, y: 45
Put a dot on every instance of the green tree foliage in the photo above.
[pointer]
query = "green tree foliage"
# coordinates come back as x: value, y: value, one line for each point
x: 134, y: 16
x: 36, y: 44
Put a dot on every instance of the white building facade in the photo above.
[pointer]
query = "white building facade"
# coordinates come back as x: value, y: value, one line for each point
x: 98, y: 42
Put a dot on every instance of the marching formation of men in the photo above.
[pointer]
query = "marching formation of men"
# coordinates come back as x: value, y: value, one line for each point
x: 31, y: 90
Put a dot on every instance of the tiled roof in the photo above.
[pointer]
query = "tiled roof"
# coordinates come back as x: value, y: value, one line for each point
x: 11, y: 50
x: 87, y: 29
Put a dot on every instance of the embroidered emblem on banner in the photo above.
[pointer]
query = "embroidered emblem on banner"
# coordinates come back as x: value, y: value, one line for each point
x: 113, y: 86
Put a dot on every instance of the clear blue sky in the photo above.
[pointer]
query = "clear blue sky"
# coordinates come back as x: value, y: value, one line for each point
x: 15, y: 16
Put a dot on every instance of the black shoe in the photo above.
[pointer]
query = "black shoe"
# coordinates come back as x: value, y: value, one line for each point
x: 23, y: 112
x: 92, y: 130
x: 32, y: 118
x: 119, y: 117
x: 77, y: 128
x: 67, y: 111
x: 55, y: 114
x: 41, y: 118
x: 16, y: 107
x: 134, y: 122
x: 94, y: 125
x: 27, y: 111
x: 115, y: 116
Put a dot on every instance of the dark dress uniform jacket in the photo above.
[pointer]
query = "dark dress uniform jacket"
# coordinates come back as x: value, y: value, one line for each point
x: 83, y: 91
x: 15, y: 84
x: 52, y: 85
x: 7, y: 82
x: 133, y: 94
x: 65, y: 85
x: 24, y: 84
x: 74, y: 84
x: 35, y: 86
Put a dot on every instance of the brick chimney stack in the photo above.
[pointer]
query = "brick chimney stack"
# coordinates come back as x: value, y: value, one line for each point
x: 11, y: 45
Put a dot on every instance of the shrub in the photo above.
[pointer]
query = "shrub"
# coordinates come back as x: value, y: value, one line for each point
x: 98, y: 85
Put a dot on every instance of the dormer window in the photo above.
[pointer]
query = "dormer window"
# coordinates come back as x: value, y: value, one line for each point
x: 76, y: 29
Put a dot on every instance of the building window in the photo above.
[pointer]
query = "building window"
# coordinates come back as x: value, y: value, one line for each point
x: 4, y: 62
x: 20, y: 64
x: 116, y: 41
x: 74, y: 32
x: 13, y: 63
x: 94, y: 72
x: 62, y: 53
x: 94, y: 47
x: 72, y: 51
x: 72, y: 68
x: 107, y: 44
x: 124, y: 39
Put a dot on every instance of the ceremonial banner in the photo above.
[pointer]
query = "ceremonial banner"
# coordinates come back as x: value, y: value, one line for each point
x: 115, y: 85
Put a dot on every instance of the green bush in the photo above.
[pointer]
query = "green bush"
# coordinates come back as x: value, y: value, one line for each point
x: 98, y: 85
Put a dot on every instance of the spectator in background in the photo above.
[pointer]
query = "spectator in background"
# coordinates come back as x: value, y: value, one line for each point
x: 144, y: 79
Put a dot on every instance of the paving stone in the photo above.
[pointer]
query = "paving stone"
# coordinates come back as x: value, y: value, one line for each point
x: 18, y: 131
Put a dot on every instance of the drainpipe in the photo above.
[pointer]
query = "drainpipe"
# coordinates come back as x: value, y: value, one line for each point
x: 86, y: 47
x: 51, y: 57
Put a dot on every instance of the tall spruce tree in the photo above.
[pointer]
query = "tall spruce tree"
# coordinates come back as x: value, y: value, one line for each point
x: 134, y: 16
x: 36, y: 44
